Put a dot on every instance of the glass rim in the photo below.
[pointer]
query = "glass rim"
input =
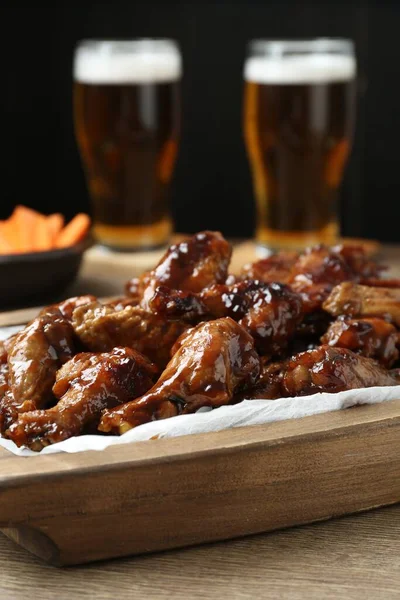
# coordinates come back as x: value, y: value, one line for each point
x: 132, y: 43
x: 307, y: 45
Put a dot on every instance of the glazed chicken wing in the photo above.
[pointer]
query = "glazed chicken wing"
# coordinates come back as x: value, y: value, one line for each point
x: 371, y: 337
x: 5, y: 347
x: 268, y: 385
x: 36, y: 354
x: 327, y: 369
x: 100, y: 328
x: 314, y: 272
x: 191, y: 265
x: 67, y: 307
x: 86, y: 385
x: 269, y: 312
x: 272, y: 317
x: 214, y: 302
x: 3, y: 353
x: 364, y: 301
x: 33, y: 356
x: 276, y: 268
x: 362, y: 267
x: 215, y: 360
x: 3, y: 380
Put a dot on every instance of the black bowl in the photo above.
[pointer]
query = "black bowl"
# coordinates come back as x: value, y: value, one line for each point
x: 37, y: 277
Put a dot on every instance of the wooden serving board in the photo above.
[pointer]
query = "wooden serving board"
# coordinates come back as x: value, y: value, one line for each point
x: 160, y: 494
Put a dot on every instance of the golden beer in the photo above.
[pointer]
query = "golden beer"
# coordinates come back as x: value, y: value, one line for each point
x: 298, y: 123
x: 126, y: 107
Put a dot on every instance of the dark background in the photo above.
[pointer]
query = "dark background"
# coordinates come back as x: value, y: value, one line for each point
x: 212, y: 187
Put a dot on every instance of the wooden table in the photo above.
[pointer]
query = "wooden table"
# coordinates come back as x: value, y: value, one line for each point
x: 356, y: 557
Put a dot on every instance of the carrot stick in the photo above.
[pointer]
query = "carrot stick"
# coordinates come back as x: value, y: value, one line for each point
x: 42, y: 237
x: 5, y: 246
x: 25, y: 221
x: 74, y: 232
x: 10, y: 235
x: 55, y: 223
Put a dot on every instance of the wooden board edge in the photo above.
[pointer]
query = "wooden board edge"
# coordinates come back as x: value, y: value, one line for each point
x: 15, y: 470
x: 204, y: 498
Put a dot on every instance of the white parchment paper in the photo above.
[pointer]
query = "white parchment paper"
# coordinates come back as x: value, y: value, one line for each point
x: 248, y: 412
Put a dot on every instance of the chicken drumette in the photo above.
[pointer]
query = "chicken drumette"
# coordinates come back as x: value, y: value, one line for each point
x: 214, y: 361
x: 100, y: 328
x: 269, y: 312
x: 85, y: 386
x: 314, y: 272
x: 277, y: 267
x: 323, y: 369
x: 191, y: 265
x: 36, y: 354
x: 364, y: 301
x: 371, y: 337
x: 67, y: 307
x: 33, y: 357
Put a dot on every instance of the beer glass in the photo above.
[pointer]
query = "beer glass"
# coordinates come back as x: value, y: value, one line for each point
x: 126, y: 112
x: 298, y: 123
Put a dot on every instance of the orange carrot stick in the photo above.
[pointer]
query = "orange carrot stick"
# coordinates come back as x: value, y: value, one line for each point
x: 5, y: 246
x: 25, y: 222
x: 10, y: 235
x: 42, y: 237
x: 74, y: 232
x: 55, y: 223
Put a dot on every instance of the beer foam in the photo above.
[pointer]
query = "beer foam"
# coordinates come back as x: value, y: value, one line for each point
x: 100, y: 65
x: 311, y: 68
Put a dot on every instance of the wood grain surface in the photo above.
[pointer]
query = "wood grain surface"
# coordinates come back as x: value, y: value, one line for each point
x: 353, y: 558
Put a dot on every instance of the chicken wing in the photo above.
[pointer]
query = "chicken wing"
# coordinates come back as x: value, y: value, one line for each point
x: 3, y: 379
x: 276, y: 268
x: 327, y: 369
x: 86, y: 385
x: 3, y: 353
x: 272, y: 317
x: 191, y: 265
x: 100, y: 328
x: 371, y: 337
x: 364, y: 301
x: 314, y: 272
x: 36, y: 354
x: 5, y: 347
x: 215, y: 360
x: 67, y: 307
x: 268, y: 385
x: 269, y: 312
